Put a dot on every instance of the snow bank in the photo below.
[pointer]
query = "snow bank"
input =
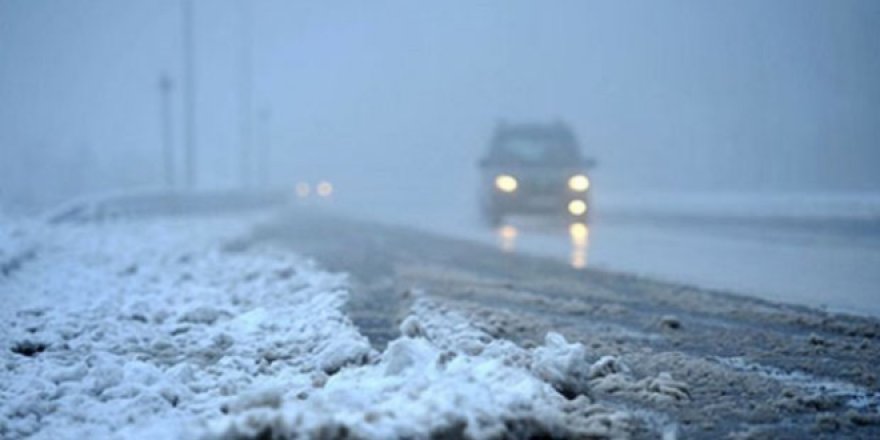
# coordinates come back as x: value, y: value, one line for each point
x: 158, y: 330
x: 443, y: 379
x: 16, y: 244
x: 119, y: 328
x: 446, y: 378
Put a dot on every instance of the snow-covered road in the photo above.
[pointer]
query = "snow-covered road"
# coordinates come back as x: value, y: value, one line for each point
x: 174, y: 328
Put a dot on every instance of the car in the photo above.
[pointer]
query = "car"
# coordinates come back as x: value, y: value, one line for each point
x: 534, y: 168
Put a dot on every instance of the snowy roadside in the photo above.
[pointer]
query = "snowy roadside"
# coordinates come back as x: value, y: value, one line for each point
x: 117, y: 327
x: 163, y: 330
x: 16, y: 245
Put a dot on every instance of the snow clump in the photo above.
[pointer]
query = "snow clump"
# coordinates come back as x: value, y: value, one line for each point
x: 145, y: 326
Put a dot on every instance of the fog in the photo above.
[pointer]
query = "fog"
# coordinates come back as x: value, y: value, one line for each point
x: 384, y: 219
x: 394, y: 101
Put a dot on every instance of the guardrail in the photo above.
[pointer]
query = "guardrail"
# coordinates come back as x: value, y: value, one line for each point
x: 163, y: 203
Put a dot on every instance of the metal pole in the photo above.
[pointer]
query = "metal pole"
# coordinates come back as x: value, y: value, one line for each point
x: 265, y: 147
x: 189, y: 90
x: 165, y: 87
x: 245, y: 97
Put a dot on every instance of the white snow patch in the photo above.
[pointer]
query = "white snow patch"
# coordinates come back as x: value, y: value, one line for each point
x: 17, y: 244
x: 153, y: 325
x: 153, y: 330
x: 444, y: 377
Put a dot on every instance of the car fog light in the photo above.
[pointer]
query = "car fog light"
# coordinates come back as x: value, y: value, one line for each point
x: 577, y: 207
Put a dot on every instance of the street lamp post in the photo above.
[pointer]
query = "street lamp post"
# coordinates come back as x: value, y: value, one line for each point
x: 165, y: 89
x: 246, y: 159
x: 265, y: 151
x: 189, y: 90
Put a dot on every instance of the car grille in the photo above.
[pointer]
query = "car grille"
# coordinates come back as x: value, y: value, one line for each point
x: 542, y: 186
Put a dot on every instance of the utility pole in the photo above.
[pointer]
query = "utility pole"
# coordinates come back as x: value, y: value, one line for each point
x: 165, y: 88
x: 189, y: 90
x: 265, y: 147
x: 245, y: 94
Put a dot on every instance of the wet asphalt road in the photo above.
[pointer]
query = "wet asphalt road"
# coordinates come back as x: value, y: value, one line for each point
x: 753, y: 367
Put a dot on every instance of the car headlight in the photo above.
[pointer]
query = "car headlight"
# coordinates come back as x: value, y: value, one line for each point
x: 324, y: 189
x: 579, y: 183
x: 577, y: 207
x: 302, y: 190
x: 506, y: 183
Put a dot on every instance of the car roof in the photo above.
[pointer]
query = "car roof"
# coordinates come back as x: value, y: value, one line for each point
x: 556, y: 138
x: 557, y: 131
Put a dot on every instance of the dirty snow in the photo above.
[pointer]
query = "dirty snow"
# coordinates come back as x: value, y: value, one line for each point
x: 173, y: 328
x: 854, y: 396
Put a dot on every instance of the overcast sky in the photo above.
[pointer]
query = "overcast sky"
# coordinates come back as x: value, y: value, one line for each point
x: 396, y: 96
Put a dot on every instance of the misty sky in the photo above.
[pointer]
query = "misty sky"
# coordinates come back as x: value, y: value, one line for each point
x: 395, y: 96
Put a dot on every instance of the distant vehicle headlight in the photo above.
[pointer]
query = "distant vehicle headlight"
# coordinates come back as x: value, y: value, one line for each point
x: 506, y: 183
x: 302, y: 189
x: 577, y: 207
x: 324, y: 189
x: 579, y: 183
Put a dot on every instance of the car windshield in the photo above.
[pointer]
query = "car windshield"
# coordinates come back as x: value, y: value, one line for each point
x: 535, y: 151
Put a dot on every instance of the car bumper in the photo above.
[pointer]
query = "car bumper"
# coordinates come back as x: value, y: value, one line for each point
x: 537, y: 203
